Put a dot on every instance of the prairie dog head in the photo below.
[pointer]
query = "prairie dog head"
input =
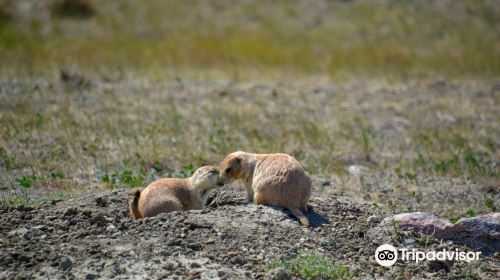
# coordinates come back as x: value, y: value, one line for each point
x: 234, y: 167
x: 206, y: 178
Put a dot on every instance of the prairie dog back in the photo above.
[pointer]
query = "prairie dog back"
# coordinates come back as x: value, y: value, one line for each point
x: 274, y: 179
x: 283, y: 178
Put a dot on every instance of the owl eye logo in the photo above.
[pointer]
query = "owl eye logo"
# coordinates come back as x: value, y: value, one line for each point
x: 386, y: 255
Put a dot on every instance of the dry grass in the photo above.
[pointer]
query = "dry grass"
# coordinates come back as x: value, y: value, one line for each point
x: 338, y: 38
x: 128, y: 133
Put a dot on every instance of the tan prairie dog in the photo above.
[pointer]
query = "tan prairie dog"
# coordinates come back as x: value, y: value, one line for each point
x: 173, y: 194
x: 274, y: 179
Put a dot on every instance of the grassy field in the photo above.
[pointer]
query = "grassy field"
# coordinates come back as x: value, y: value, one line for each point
x: 250, y: 39
x: 406, y: 91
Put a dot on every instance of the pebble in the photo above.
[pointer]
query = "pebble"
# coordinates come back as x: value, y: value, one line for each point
x: 66, y: 264
x: 237, y: 260
x: 70, y: 212
x: 373, y: 219
x: 171, y: 265
x: 20, y: 232
x: 90, y: 276
x: 195, y: 265
x: 279, y: 274
x: 101, y: 201
x: 111, y: 228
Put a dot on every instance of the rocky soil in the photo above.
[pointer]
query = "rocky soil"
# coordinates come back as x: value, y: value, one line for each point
x: 92, y: 237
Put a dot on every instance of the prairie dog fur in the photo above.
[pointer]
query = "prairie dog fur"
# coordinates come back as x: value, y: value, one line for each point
x: 275, y: 179
x: 173, y: 194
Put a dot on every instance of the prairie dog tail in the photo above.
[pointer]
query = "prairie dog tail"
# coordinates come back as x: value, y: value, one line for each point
x: 304, y: 221
x: 134, y: 205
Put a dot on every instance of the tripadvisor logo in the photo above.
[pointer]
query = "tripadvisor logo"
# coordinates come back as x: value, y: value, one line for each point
x: 387, y: 255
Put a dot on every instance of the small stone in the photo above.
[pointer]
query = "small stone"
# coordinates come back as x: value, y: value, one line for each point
x: 20, y: 232
x: 237, y: 260
x: 101, y: 201
x: 279, y: 274
x: 195, y: 246
x: 99, y: 220
x: 66, y: 265
x: 170, y: 265
x: 70, y: 212
x: 174, y: 242
x: 111, y: 228
x: 195, y: 265
x: 373, y: 219
x: 232, y: 253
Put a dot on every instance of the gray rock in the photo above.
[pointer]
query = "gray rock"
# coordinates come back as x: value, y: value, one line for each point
x: 171, y: 265
x: 101, y: 201
x: 70, y: 212
x: 66, y: 264
x: 373, y: 219
x: 279, y: 274
x: 90, y: 276
x: 99, y: 220
x: 110, y: 228
x: 19, y: 232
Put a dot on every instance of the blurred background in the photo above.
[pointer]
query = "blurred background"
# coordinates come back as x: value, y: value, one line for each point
x: 242, y: 39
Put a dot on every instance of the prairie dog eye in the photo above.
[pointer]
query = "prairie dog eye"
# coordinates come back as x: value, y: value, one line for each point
x: 228, y: 170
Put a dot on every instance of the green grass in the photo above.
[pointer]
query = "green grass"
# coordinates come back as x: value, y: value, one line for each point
x: 310, y: 266
x: 488, y: 202
x: 182, y: 38
x: 27, y: 181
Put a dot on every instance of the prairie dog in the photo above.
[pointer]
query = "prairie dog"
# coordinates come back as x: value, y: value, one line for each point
x: 173, y: 194
x: 275, y: 179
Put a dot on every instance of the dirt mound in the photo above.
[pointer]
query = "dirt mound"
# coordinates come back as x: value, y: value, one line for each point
x: 93, y: 237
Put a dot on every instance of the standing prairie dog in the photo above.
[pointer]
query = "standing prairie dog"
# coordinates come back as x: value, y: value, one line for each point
x: 275, y: 179
x: 173, y: 194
